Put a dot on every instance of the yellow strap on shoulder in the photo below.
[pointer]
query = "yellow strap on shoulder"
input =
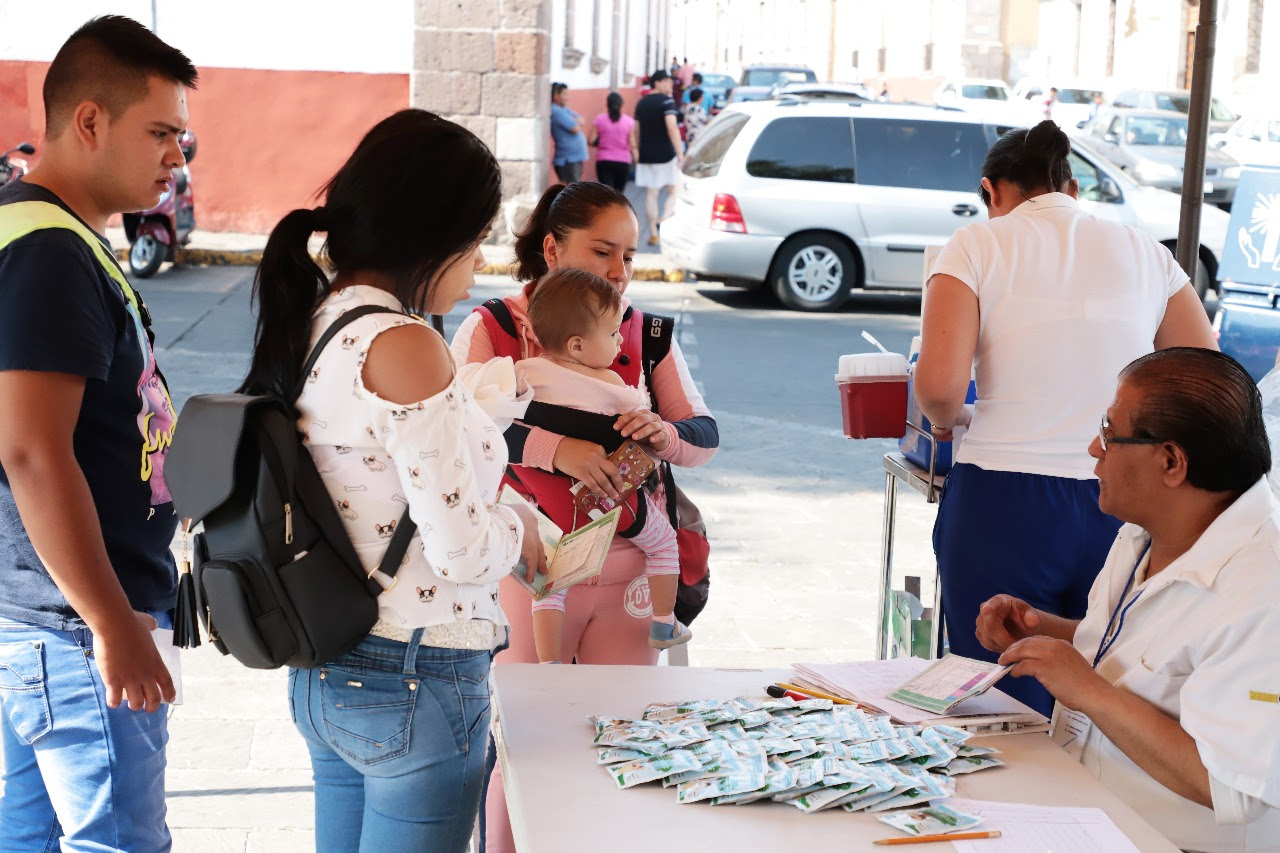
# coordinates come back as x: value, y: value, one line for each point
x: 21, y: 218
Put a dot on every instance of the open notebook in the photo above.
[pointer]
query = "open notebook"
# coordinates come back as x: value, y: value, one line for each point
x: 872, y: 684
x: 571, y: 558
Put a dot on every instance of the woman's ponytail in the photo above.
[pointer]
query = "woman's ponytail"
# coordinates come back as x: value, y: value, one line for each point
x: 530, y: 264
x: 287, y: 286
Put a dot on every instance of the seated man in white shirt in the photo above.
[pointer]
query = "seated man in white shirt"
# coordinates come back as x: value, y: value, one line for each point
x: 1167, y: 689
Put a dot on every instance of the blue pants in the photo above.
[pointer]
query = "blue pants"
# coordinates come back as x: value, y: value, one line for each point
x: 397, y: 735
x: 78, y: 776
x: 1041, y: 539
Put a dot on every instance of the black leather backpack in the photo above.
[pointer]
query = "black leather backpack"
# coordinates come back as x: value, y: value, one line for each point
x: 277, y: 579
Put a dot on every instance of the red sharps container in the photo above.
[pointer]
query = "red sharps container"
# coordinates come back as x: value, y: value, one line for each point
x: 873, y: 394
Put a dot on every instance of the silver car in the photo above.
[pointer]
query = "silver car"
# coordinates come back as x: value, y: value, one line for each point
x: 814, y: 199
x: 1151, y: 146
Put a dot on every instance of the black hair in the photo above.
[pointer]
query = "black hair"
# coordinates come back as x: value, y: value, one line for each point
x: 417, y: 192
x: 697, y: 78
x: 562, y: 209
x: 1207, y: 404
x: 695, y: 95
x: 557, y: 88
x: 108, y: 61
x: 613, y: 104
x: 1033, y: 160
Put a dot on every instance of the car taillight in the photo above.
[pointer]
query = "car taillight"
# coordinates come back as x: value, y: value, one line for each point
x: 726, y: 215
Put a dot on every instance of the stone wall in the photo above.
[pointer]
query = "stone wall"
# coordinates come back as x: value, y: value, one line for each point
x: 486, y: 65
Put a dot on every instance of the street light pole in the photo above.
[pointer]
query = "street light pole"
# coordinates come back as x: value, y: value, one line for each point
x: 1197, y: 138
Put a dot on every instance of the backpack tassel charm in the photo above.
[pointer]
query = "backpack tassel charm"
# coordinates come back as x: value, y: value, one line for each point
x: 186, y: 624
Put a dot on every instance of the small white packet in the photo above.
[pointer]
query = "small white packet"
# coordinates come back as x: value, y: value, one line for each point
x: 935, y: 820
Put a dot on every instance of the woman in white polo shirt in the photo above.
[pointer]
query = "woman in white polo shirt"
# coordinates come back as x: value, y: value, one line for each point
x: 1045, y: 303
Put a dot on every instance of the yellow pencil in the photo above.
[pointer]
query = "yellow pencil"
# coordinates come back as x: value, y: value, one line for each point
x: 955, y: 836
x: 816, y: 694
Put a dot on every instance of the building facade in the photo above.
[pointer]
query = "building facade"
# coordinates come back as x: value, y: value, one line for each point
x: 287, y: 88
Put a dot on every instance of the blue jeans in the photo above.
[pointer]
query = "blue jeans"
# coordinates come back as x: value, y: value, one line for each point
x: 1038, y: 538
x: 78, y: 776
x: 397, y: 735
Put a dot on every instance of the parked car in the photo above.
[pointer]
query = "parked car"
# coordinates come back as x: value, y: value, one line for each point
x: 716, y: 89
x: 1252, y: 141
x: 838, y: 91
x: 814, y: 199
x: 759, y: 80
x: 1075, y: 100
x: 1179, y: 100
x: 1248, y: 319
x: 1151, y: 145
x: 989, y: 99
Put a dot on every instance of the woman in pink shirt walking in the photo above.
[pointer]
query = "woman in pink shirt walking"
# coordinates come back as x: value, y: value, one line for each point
x: 612, y: 137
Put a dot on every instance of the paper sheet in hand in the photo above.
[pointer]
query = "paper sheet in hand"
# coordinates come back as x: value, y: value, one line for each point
x: 571, y: 558
x: 870, y: 682
x: 948, y: 682
x: 1023, y: 828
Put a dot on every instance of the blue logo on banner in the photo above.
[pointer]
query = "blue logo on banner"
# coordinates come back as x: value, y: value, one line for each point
x: 1252, y: 253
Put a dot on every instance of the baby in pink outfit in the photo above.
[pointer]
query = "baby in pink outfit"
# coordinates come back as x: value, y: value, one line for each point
x: 576, y: 317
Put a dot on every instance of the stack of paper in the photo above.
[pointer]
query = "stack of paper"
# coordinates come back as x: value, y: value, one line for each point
x: 873, y: 683
x: 1023, y: 828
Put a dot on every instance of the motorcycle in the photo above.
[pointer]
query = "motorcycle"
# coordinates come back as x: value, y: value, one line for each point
x: 154, y: 235
x: 12, y: 168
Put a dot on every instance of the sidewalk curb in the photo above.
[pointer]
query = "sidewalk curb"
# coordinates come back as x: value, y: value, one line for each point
x: 252, y: 257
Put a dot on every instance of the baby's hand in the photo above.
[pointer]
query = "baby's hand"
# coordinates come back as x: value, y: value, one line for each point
x: 645, y: 427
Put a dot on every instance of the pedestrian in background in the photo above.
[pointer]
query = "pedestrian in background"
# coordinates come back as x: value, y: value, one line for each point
x: 1050, y: 102
x: 697, y: 81
x: 656, y: 137
x: 1047, y: 303
x: 695, y: 116
x: 568, y: 136
x: 85, y: 420
x: 397, y: 727
x: 615, y: 150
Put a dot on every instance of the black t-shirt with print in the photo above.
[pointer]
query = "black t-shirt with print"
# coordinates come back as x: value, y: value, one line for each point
x: 60, y: 312
x: 651, y: 116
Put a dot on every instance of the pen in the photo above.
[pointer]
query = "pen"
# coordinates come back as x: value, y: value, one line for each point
x: 955, y: 836
x: 778, y: 692
x: 809, y: 692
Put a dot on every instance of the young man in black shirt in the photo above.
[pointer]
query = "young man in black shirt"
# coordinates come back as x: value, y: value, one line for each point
x: 85, y: 421
x: 657, y: 135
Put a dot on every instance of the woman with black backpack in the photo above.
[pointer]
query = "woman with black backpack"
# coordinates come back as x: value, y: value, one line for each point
x: 397, y: 728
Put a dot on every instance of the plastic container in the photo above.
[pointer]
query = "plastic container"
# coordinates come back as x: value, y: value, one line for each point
x: 873, y: 394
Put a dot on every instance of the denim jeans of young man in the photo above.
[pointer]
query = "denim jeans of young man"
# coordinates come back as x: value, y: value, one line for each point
x: 79, y: 777
x: 397, y: 735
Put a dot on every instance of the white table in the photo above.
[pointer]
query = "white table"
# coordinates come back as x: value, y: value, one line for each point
x: 561, y: 801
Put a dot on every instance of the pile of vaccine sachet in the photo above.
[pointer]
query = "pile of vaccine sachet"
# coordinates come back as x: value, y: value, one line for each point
x: 810, y: 754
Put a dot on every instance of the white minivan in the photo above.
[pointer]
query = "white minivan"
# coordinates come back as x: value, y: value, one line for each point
x: 817, y: 198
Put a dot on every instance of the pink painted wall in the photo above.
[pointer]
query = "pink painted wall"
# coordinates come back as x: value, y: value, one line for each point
x: 268, y: 140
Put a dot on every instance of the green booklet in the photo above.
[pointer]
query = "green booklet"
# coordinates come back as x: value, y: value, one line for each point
x: 948, y: 682
x: 571, y: 558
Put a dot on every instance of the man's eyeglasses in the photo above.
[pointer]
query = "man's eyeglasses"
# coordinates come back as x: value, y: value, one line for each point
x: 1106, y: 436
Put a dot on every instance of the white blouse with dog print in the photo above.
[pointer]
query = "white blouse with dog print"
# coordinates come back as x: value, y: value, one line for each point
x: 442, y: 457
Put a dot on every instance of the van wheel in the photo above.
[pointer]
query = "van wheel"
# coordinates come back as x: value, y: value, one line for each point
x: 813, y: 272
